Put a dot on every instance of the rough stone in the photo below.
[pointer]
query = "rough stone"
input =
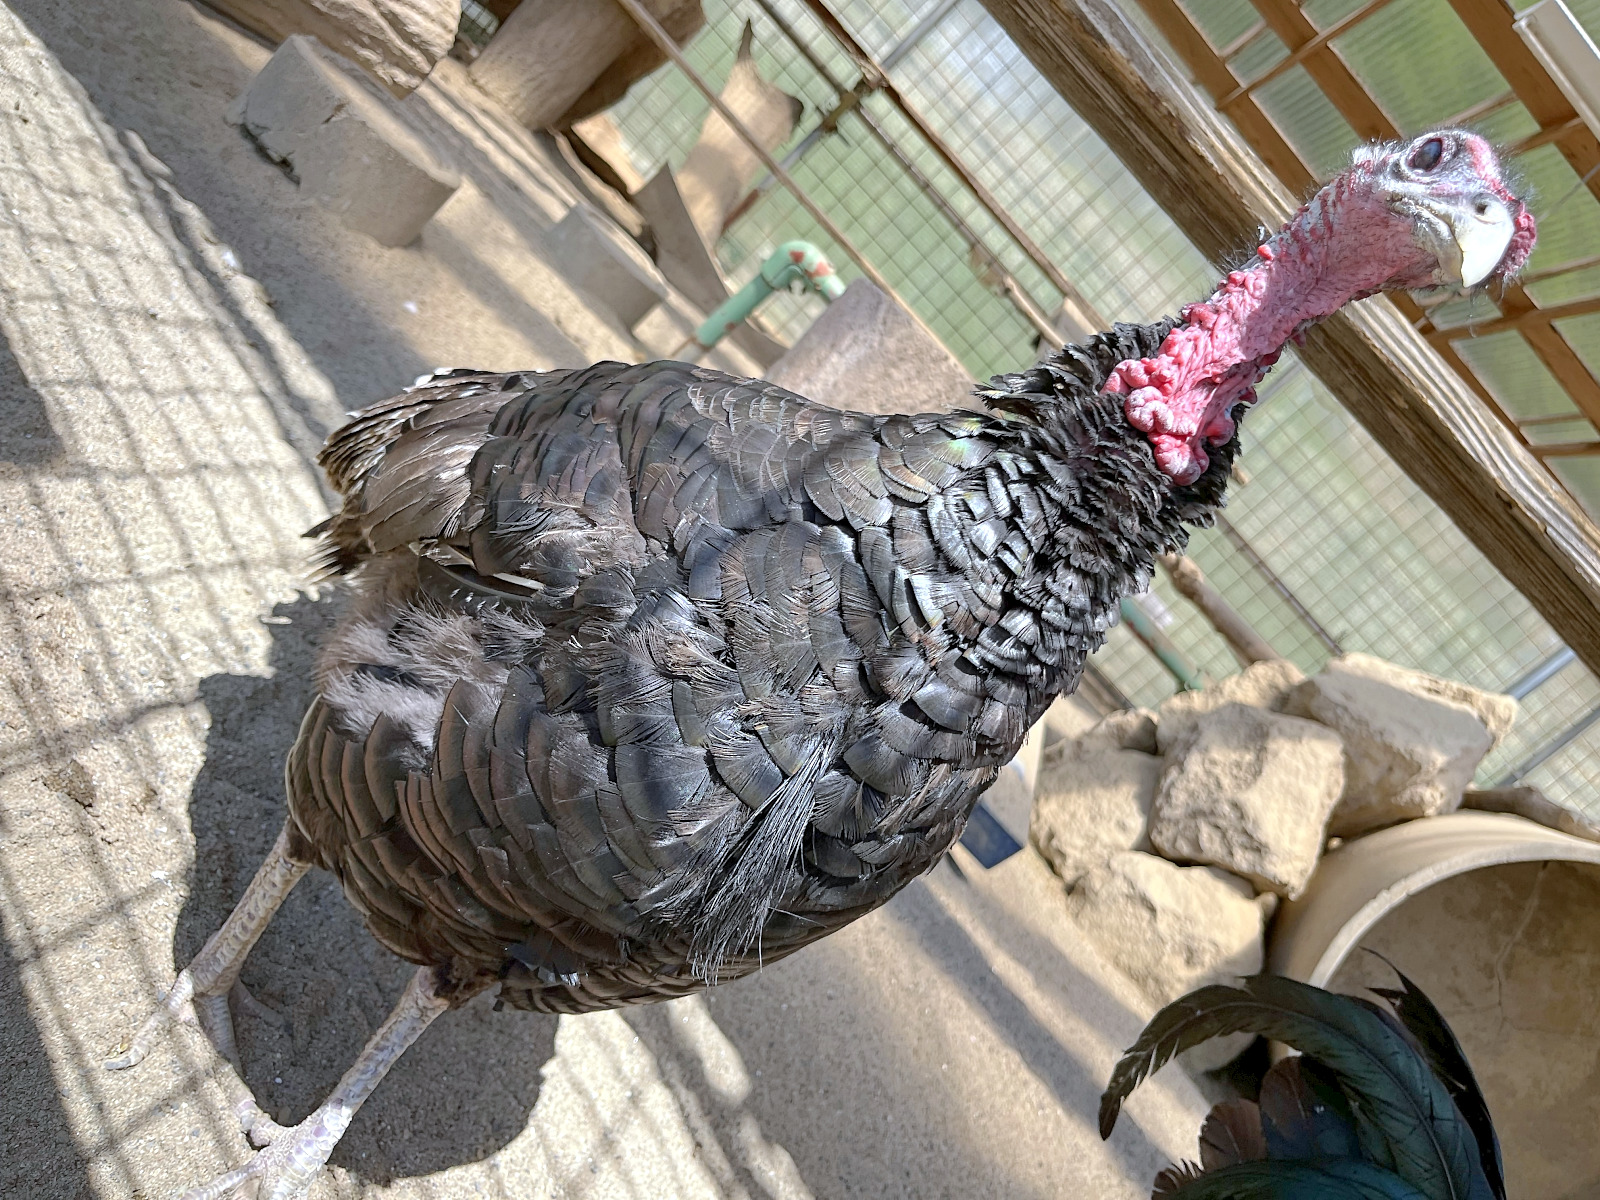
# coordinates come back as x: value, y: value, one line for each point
x: 342, y: 143
x: 1412, y: 740
x: 1127, y: 729
x: 1261, y: 685
x: 395, y: 41
x: 1172, y: 929
x: 1250, y: 791
x: 1092, y: 802
x: 866, y: 353
x: 1497, y: 711
x: 598, y: 257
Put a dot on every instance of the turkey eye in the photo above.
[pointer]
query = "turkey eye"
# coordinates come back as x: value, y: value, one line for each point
x: 1426, y: 156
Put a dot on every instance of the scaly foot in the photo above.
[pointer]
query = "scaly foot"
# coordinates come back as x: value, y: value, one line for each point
x: 292, y: 1157
x: 289, y: 1160
x: 205, y: 983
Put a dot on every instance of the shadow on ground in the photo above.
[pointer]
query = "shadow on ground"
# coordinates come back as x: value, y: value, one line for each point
x: 33, y: 1130
x: 468, y: 1086
x: 26, y: 436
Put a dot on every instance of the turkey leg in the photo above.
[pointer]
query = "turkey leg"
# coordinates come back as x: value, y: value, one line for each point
x: 293, y: 1156
x: 201, y: 989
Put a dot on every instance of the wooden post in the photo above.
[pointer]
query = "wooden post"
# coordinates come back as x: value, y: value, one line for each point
x: 1220, y: 193
x: 1247, y: 645
x: 548, y: 54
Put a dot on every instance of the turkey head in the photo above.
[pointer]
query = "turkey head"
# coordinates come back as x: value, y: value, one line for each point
x: 1434, y: 212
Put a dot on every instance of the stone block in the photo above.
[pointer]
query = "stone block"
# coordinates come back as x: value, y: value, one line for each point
x: 1126, y: 729
x: 1262, y: 685
x: 555, y: 61
x: 341, y: 141
x: 1250, y: 791
x: 1172, y: 929
x: 395, y: 41
x: 1412, y: 741
x: 599, y: 258
x: 1092, y: 803
x: 866, y: 353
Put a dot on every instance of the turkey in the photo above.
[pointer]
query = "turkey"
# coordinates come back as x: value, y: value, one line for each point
x: 652, y: 675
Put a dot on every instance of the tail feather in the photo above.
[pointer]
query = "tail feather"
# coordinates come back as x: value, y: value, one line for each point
x: 1369, y: 1110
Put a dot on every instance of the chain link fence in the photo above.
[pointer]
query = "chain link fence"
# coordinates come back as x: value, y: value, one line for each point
x: 1323, y: 512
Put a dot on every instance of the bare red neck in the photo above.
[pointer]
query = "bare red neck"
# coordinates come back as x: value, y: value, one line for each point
x: 1343, y: 245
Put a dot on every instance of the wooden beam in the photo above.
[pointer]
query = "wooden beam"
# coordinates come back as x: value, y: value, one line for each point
x: 1312, y: 48
x: 1209, y: 65
x: 1219, y: 191
x: 1490, y: 22
x: 1567, y: 450
x: 1526, y: 318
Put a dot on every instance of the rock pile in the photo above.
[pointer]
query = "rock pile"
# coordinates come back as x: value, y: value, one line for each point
x: 1178, y: 830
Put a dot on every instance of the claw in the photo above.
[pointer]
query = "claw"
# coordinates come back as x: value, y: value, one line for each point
x: 176, y: 1005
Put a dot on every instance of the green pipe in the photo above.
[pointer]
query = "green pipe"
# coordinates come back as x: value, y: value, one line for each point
x: 789, y: 262
x: 1159, y: 644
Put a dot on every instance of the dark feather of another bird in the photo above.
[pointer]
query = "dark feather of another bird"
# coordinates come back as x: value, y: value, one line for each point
x: 1333, y: 1179
x: 1304, y: 1114
x: 1231, y: 1134
x: 1439, y: 1046
x: 1405, y: 1118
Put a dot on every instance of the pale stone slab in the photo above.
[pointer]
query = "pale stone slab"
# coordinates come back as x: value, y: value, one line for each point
x: 1412, y: 741
x: 720, y: 167
x: 866, y: 353
x: 342, y: 143
x: 598, y: 257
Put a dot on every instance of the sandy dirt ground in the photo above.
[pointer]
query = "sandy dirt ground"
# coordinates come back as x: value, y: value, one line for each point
x: 180, y: 331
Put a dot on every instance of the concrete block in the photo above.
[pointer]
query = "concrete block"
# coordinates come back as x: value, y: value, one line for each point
x: 866, y: 353
x: 344, y: 145
x: 599, y: 258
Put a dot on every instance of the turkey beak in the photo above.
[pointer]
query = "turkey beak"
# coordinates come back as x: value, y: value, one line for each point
x: 1482, y: 230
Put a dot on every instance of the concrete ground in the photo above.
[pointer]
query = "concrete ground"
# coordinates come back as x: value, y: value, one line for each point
x: 180, y: 331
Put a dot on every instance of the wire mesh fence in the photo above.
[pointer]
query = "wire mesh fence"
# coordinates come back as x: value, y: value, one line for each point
x: 1358, y: 545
